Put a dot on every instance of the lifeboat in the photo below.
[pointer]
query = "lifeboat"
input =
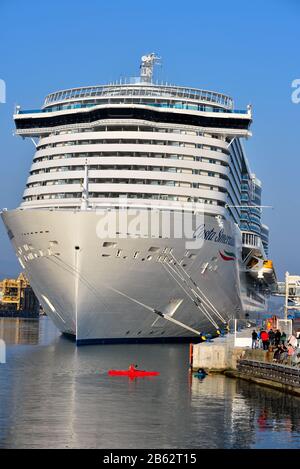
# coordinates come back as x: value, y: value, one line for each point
x: 262, y: 269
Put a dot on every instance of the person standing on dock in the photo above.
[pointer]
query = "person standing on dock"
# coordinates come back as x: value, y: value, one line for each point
x: 265, y: 339
x: 283, y: 338
x: 259, y: 342
x: 277, y: 337
x: 271, y: 337
x: 292, y: 340
x: 254, y: 339
x: 291, y: 352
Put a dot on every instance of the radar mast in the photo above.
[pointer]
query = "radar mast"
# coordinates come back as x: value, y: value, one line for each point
x: 147, y: 66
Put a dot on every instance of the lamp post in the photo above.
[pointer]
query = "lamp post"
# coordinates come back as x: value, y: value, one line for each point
x: 286, y: 295
x: 235, y: 325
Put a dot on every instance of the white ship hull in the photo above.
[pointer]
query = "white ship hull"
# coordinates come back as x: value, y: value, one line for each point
x: 105, y: 294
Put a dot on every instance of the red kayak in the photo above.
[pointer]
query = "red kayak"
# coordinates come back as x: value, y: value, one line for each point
x: 133, y: 373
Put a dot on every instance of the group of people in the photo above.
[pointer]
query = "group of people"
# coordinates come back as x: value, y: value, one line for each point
x: 263, y: 339
x: 277, y: 342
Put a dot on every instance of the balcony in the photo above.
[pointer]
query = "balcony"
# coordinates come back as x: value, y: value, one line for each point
x: 254, y: 228
x: 251, y: 240
x: 255, y: 219
x: 255, y: 211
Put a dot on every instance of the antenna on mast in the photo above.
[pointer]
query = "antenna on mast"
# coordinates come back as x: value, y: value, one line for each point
x: 147, y: 66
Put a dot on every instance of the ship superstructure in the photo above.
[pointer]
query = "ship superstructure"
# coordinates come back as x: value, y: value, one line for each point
x: 146, y: 147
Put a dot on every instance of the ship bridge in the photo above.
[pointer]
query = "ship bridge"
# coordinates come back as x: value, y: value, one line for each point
x: 136, y: 98
x: 182, y: 97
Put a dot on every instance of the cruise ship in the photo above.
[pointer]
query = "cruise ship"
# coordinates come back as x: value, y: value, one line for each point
x: 141, y: 218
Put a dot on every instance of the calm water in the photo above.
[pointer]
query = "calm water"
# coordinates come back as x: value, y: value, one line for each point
x: 55, y: 395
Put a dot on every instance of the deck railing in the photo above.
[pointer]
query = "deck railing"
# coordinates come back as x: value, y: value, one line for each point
x: 141, y: 90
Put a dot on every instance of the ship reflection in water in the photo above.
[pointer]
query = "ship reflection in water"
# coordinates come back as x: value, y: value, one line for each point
x: 19, y: 331
x: 53, y: 394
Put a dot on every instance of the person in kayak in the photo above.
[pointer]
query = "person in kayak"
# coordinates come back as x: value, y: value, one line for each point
x: 132, y: 368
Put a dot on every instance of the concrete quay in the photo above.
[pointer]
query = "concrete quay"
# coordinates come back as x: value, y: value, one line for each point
x: 221, y: 353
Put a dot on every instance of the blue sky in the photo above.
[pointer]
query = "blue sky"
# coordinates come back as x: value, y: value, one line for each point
x: 249, y: 50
